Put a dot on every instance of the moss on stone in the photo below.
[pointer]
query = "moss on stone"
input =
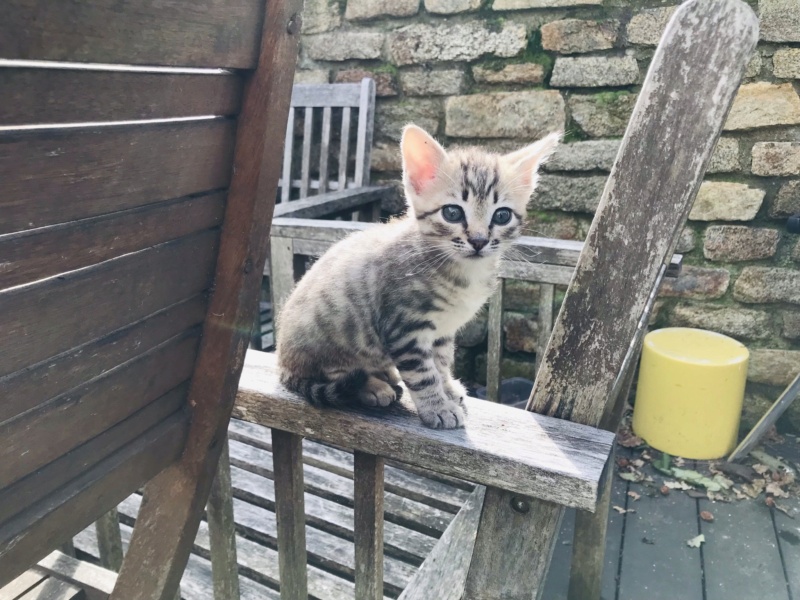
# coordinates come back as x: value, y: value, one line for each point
x: 608, y: 98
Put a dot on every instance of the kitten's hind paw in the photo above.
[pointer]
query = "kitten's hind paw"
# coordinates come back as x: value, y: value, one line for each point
x: 377, y: 393
x: 447, y: 415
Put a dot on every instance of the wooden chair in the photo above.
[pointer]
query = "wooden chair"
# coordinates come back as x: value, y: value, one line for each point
x: 133, y: 230
x: 533, y: 465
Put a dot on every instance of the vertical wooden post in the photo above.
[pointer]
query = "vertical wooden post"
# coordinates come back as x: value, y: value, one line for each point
x: 368, y: 499
x: 287, y: 452
x: 281, y: 257
x: 222, y: 531
x: 109, y: 540
x: 494, y: 353
x: 68, y: 548
x: 545, y: 318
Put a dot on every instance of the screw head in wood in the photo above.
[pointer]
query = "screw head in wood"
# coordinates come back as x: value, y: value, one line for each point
x: 520, y: 505
x: 293, y: 26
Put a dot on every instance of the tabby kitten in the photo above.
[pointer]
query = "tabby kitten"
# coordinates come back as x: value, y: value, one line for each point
x: 384, y: 305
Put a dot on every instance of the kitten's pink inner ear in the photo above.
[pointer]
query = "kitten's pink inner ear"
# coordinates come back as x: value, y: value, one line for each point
x: 422, y: 157
x: 528, y: 160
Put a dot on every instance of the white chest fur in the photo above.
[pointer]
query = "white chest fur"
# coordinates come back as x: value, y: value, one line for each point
x: 465, y: 305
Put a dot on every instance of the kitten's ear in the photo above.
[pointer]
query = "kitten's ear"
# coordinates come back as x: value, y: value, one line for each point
x: 527, y: 160
x: 422, y: 157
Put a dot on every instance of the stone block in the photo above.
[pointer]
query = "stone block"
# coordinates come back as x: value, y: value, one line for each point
x: 572, y: 194
x: 687, y: 241
x: 796, y: 252
x: 520, y: 295
x: 763, y: 104
x: 736, y: 322
x: 386, y: 157
x: 594, y: 71
x: 358, y: 10
x: 531, y: 73
x: 525, y: 4
x: 755, y: 405
x: 779, y: 20
x: 509, y: 367
x: 786, y: 63
x: 787, y: 201
x: 571, y: 36
x: 557, y: 225
x: 791, y: 325
x: 451, y: 7
x: 521, y: 332
x: 312, y: 76
x: 320, y: 16
x: 725, y: 157
x: 776, y: 159
x: 767, y: 284
x: 726, y: 201
x: 773, y: 367
x: 344, y: 45
x: 753, y: 68
x: 385, y: 83
x: 647, y: 27
x: 696, y: 283
x: 392, y: 115
x: 421, y: 43
x: 592, y: 155
x: 732, y: 243
x: 432, y: 83
x: 602, y: 115
x: 528, y: 115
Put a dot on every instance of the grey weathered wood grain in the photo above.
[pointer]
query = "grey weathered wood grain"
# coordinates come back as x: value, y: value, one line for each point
x: 332, y: 202
x: 344, y: 147
x: 281, y: 258
x: 305, y: 165
x: 83, y: 574
x: 109, y: 540
x: 550, y: 458
x: 494, y: 353
x: 286, y: 176
x: 366, y: 120
x: 27, y: 581
x: 444, y: 571
x: 222, y: 531
x: 788, y: 530
x: 325, y: 150
x: 368, y: 507
x: 54, y: 589
x: 545, y: 319
x: 290, y: 515
x: 324, y: 94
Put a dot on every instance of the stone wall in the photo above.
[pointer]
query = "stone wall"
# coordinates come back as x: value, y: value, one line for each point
x: 500, y: 73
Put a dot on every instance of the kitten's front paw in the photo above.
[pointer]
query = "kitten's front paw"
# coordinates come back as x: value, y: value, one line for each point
x: 447, y: 415
x: 456, y: 391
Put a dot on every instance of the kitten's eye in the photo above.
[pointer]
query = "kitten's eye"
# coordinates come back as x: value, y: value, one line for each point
x: 452, y: 213
x: 502, y: 216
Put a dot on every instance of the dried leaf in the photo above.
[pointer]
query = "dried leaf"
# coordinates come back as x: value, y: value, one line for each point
x: 706, y: 516
x: 696, y: 478
x: 753, y: 490
x: 627, y: 439
x: 634, y: 495
x: 646, y: 455
x: 783, y: 509
x: 776, y: 490
x: 739, y: 494
x: 678, y: 461
x: 775, y: 464
x: 696, y: 541
x: 622, y: 511
x: 635, y: 476
x: 638, y: 463
x: 717, y: 497
x: 723, y: 481
x: 760, y: 469
x: 677, y: 485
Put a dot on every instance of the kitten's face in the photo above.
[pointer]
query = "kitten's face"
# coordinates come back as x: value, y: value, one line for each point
x: 470, y: 202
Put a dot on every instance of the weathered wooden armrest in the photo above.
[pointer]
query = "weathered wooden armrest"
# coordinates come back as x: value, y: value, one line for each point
x: 314, y: 207
x: 501, y: 446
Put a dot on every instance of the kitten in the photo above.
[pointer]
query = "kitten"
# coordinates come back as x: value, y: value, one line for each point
x: 384, y: 305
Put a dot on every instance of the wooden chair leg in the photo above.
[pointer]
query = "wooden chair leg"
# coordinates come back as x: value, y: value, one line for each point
x: 109, y: 540
x: 222, y: 532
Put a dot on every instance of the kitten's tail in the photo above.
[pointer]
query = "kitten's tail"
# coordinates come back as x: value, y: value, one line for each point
x: 341, y: 392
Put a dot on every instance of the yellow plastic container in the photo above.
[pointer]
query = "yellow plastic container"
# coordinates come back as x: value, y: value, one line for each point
x: 690, y: 392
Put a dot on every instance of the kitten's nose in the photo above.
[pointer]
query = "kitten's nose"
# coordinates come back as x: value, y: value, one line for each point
x: 478, y: 242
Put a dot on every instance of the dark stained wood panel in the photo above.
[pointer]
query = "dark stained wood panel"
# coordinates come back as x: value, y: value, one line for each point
x: 43, y: 320
x: 49, y: 251
x: 31, y: 535
x: 52, y: 177
x: 49, y: 431
x: 16, y: 497
x: 197, y: 33
x: 36, y: 96
x: 30, y: 387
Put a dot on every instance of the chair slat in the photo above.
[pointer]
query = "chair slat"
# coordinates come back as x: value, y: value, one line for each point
x: 325, y: 94
x: 109, y: 540
x: 344, y: 147
x: 545, y: 319
x: 324, y: 150
x: 196, y: 33
x: 305, y: 167
x: 286, y: 177
x: 222, y: 531
x: 494, y: 353
x: 287, y: 450
x: 37, y: 96
x: 366, y: 120
x: 368, y: 506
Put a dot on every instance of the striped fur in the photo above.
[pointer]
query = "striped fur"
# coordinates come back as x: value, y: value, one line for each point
x: 383, y: 306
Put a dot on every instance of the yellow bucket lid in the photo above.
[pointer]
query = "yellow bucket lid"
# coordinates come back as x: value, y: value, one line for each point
x: 696, y: 346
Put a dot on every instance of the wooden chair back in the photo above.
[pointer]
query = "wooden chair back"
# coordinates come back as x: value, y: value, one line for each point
x: 336, y: 120
x: 137, y: 175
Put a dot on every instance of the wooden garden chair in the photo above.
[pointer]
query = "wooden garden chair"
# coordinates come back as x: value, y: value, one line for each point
x: 534, y: 464
x: 133, y: 228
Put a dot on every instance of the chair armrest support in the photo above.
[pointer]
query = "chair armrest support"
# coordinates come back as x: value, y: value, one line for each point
x: 322, y: 205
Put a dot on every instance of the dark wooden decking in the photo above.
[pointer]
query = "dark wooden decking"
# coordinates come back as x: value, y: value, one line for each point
x: 751, y: 551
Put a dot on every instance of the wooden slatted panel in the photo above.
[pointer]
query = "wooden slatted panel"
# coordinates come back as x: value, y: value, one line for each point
x: 15, y: 498
x: 59, y: 176
x: 49, y: 251
x: 25, y: 389
x: 40, y: 436
x: 286, y: 177
x: 324, y: 150
x: 344, y: 146
x: 368, y: 506
x: 319, y: 95
x: 305, y: 171
x: 31, y: 535
x: 42, y: 320
x: 196, y: 33
x: 33, y: 96
x: 366, y: 121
